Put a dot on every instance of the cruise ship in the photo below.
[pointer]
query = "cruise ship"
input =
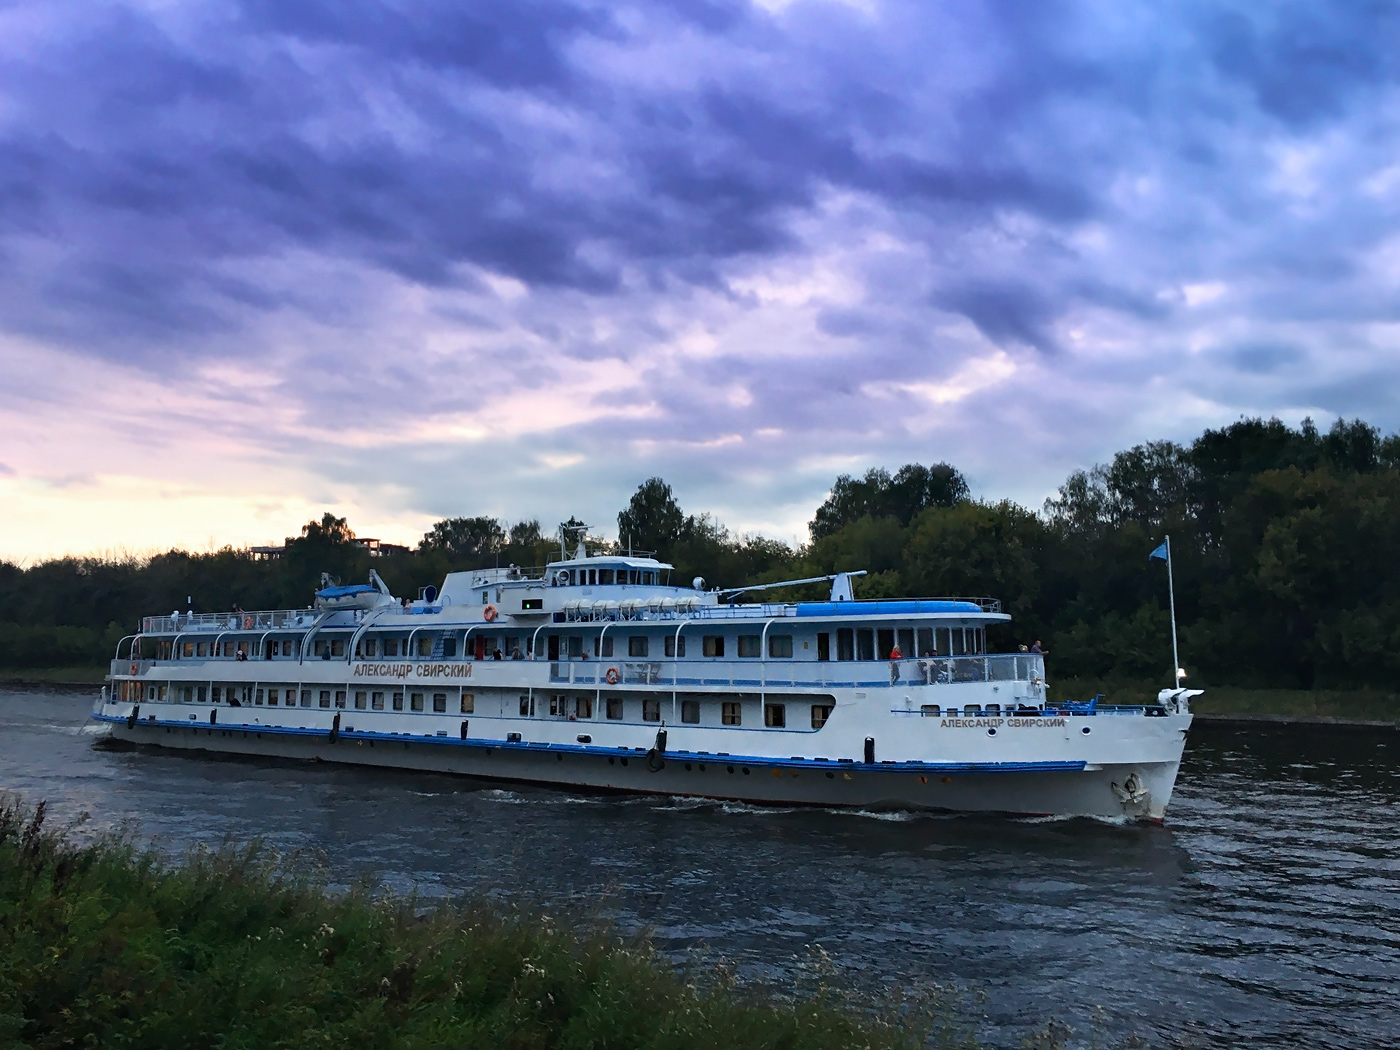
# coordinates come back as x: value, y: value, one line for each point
x: 599, y: 672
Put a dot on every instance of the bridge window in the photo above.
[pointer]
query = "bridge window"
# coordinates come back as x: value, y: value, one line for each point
x: 865, y: 644
x: 775, y: 716
x: 675, y: 646
x: 845, y: 644
x: 651, y: 709
x: 712, y: 645
x: 415, y: 701
x: 780, y: 646
x: 731, y: 713
x: 690, y: 712
x: 637, y: 646
x: 749, y: 645
x: 440, y: 703
x: 615, y: 707
x: 820, y: 713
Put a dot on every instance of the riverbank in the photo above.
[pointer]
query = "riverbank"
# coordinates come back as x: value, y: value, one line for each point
x: 82, y: 677
x: 107, y: 945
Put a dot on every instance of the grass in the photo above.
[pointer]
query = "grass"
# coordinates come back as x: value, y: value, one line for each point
x: 106, y: 944
x: 1346, y: 704
x: 92, y: 676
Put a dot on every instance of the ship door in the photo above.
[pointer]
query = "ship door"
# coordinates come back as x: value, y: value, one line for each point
x: 553, y: 647
x: 481, y: 647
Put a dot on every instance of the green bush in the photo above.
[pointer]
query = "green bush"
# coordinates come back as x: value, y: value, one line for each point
x: 104, y: 944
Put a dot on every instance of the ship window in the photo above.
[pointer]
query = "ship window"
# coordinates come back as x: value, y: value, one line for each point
x: 200, y: 695
x: 690, y: 711
x: 906, y: 642
x: 215, y: 694
x: 931, y: 710
x: 820, y: 713
x: 592, y: 576
x: 583, y: 706
x: 440, y: 703
x: 675, y: 646
x: 325, y: 698
x: 780, y: 646
x: 150, y: 692
x: 732, y: 713
x: 340, y: 698
x: 272, y: 698
x: 449, y: 647
x: 306, y: 698
x: 287, y: 647
x: 338, y: 647
x: 199, y: 649
x: 415, y: 701
x: 749, y: 645
x: 614, y: 707
x: 187, y: 649
x: 575, y: 647
x: 603, y: 646
x: 376, y: 701
x: 845, y: 644
x: 884, y: 642
x: 552, y: 647
x: 978, y: 641
x: 391, y: 647
x: 228, y: 649
x: 425, y: 646
x: 823, y: 646
x: 926, y: 646
x: 367, y: 647
x: 605, y: 576
x: 959, y: 646
x: 774, y: 716
x: 865, y: 644
x: 712, y: 645
x: 651, y: 709
x: 556, y: 703
x: 398, y: 700
x: 258, y: 698
x: 637, y: 645
x: 187, y: 694
x: 527, y: 706
x: 361, y: 699
x: 468, y: 703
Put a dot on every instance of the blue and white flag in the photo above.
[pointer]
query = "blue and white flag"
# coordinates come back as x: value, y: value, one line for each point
x: 1160, y: 552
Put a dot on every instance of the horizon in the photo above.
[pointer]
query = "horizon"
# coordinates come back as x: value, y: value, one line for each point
x: 259, y: 261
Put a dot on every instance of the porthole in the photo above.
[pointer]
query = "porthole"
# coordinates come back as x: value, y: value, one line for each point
x: 1086, y: 730
x: 744, y: 770
x: 730, y: 768
x: 830, y: 776
x: 611, y: 761
x: 991, y: 732
x: 624, y: 761
x: 687, y: 767
x: 702, y: 767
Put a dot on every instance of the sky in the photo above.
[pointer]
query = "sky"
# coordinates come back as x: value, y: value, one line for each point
x: 406, y: 261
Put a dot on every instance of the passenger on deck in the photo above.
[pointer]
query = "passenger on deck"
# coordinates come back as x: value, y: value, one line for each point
x: 496, y: 654
x: 1037, y: 649
x: 895, y: 654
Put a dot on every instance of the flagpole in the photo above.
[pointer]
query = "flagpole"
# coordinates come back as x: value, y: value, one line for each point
x: 1171, y: 601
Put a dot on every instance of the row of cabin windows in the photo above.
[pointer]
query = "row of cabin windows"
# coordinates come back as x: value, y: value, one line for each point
x: 614, y: 707
x: 863, y: 643
x: 605, y: 577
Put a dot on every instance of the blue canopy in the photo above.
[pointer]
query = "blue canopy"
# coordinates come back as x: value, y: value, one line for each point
x: 890, y: 608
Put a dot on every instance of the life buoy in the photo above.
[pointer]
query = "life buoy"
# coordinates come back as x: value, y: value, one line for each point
x: 612, y: 676
x: 489, y: 613
x: 247, y: 623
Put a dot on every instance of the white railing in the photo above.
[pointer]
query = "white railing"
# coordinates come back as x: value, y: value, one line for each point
x: 767, y: 674
x: 260, y: 620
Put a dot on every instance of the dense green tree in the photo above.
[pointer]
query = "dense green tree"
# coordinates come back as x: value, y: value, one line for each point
x: 468, y: 538
x: 911, y: 489
x: 652, y: 520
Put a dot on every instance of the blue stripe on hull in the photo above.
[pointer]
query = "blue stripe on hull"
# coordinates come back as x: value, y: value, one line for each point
x: 615, y: 752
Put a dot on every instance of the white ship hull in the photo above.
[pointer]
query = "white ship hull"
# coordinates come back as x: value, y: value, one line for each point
x: 1125, y: 768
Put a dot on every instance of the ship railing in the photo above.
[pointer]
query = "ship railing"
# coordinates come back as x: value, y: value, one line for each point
x: 766, y: 674
x: 259, y: 620
x: 131, y: 667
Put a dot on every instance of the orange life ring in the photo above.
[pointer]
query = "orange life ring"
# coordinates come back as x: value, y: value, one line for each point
x: 612, y: 676
x: 135, y: 669
x: 247, y: 623
x: 489, y: 613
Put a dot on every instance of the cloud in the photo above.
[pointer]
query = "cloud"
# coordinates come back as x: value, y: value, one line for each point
x: 518, y: 257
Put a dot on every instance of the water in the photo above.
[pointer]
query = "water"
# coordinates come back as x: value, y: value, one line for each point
x: 1266, y: 913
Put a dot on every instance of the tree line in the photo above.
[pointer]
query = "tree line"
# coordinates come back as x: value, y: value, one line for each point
x: 1285, y: 542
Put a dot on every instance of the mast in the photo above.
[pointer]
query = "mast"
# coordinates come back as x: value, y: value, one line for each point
x: 1171, y: 603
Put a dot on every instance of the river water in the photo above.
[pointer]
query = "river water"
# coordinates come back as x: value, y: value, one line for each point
x: 1266, y: 912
